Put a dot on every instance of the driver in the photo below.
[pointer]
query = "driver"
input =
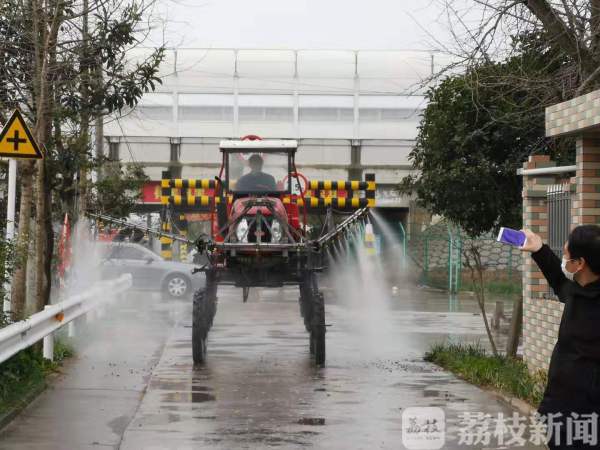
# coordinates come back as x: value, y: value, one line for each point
x: 256, y: 180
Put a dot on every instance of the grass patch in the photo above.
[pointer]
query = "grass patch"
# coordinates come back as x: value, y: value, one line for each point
x: 475, y: 365
x: 27, y: 371
x: 498, y: 287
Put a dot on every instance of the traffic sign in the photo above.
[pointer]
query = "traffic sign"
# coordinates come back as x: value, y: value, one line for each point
x: 16, y: 141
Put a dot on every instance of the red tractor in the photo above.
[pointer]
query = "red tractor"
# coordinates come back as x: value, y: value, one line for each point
x: 260, y: 236
x: 259, y: 205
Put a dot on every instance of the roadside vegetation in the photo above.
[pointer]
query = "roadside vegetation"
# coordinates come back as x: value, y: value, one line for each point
x: 25, y: 373
x: 504, y: 374
x: 70, y: 67
x: 507, y: 288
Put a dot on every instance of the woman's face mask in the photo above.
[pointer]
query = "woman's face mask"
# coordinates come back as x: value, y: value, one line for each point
x: 569, y: 275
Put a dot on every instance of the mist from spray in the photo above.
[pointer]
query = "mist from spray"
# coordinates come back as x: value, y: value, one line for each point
x: 392, y: 250
x: 357, y: 276
x: 86, y: 260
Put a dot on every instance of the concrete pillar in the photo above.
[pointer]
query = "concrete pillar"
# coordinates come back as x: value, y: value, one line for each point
x: 175, y: 154
x: 355, y: 171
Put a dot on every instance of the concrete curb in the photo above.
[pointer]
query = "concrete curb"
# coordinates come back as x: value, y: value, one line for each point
x: 9, y: 416
x: 521, y: 405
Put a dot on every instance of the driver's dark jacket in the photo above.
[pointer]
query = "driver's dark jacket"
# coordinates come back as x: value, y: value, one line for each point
x: 574, y: 372
x: 256, y: 182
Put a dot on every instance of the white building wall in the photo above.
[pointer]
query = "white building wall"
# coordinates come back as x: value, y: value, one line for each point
x: 328, y: 100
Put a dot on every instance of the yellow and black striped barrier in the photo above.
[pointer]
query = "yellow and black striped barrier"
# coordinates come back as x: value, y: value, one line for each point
x: 171, y: 191
x: 339, y: 185
x: 195, y: 200
x: 334, y: 202
x: 370, y: 190
x: 166, y: 243
x: 185, y: 183
x: 183, y: 230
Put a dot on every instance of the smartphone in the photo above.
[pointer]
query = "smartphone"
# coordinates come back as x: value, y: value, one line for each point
x: 511, y: 237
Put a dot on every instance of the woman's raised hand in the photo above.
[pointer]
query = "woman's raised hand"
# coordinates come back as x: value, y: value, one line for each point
x: 533, y: 243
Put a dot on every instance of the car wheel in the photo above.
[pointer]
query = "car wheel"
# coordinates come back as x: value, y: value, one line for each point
x: 177, y: 286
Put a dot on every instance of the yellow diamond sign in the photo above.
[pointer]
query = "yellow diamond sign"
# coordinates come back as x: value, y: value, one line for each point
x: 16, y: 140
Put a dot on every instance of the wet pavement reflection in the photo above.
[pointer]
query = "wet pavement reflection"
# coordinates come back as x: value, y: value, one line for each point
x: 259, y: 388
x: 133, y: 386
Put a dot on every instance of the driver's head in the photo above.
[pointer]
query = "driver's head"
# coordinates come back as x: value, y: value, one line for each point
x: 256, y: 163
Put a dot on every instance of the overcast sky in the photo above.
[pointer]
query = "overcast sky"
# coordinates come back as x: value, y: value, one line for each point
x: 344, y: 24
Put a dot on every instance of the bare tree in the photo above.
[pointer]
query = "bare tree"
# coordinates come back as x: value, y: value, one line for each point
x: 570, y: 28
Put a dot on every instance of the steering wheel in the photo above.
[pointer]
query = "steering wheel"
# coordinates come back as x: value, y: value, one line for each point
x: 298, y: 175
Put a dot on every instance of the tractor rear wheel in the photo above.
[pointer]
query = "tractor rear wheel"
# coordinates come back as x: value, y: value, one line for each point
x: 203, y: 314
x: 200, y: 322
x: 306, y: 301
x: 317, y: 335
x: 211, y: 294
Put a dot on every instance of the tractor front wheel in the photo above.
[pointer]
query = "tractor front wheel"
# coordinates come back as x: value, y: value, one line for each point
x: 317, y: 334
x: 200, y: 319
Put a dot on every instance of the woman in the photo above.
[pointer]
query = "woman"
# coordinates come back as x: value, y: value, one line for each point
x: 571, y: 400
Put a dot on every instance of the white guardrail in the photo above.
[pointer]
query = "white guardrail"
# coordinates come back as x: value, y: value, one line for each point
x: 20, y: 335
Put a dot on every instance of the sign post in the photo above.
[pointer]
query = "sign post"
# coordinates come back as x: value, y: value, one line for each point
x: 16, y: 142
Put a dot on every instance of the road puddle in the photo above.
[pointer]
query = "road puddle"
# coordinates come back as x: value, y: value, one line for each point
x: 187, y: 397
x: 312, y: 421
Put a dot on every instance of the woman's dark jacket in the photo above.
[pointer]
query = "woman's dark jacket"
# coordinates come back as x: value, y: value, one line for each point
x: 574, y: 373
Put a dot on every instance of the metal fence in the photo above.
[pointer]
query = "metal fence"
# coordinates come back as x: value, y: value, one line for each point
x: 559, y: 216
x: 439, y: 250
x: 559, y: 220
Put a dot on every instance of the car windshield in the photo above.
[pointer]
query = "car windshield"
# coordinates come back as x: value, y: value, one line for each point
x: 258, y: 172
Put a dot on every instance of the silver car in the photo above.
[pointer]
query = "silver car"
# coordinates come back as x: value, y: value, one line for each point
x: 150, y: 271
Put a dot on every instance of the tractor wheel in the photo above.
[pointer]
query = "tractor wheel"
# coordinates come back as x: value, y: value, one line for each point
x: 306, y: 303
x: 200, y: 321
x: 211, y: 298
x: 317, y: 335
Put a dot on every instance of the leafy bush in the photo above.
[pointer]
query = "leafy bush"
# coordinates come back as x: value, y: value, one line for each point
x: 25, y: 372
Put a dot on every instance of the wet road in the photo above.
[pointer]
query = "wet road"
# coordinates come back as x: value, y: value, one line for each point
x: 133, y: 386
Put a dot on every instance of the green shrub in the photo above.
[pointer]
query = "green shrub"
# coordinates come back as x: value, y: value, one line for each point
x: 27, y: 371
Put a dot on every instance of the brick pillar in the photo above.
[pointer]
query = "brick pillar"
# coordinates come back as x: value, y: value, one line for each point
x: 586, y: 204
x: 541, y: 315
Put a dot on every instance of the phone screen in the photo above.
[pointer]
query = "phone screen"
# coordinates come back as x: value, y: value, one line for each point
x: 511, y: 237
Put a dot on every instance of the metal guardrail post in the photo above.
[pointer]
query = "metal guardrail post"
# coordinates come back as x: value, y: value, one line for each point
x: 71, y: 329
x: 48, y: 346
